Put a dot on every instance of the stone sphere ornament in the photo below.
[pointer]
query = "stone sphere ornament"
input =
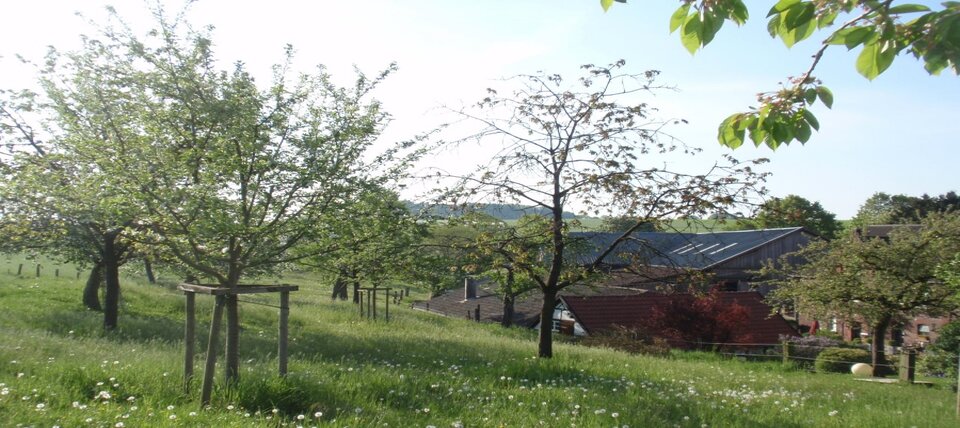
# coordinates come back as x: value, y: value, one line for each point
x: 861, y: 370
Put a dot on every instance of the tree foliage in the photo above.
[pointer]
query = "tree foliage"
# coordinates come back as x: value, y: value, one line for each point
x: 881, y: 29
x: 589, y: 141
x: 880, y: 281
x: 377, y: 238
x: 794, y: 211
x: 882, y: 208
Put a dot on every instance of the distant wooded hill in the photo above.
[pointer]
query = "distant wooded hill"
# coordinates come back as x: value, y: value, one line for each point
x: 500, y: 211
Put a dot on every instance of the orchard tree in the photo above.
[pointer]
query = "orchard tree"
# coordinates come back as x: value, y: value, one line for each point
x: 879, y: 281
x: 377, y: 237
x: 588, y: 142
x: 793, y: 211
x: 229, y: 177
x: 882, y: 29
x: 56, y: 203
x: 502, y: 248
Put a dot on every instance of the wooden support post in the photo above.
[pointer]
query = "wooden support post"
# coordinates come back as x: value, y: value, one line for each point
x: 476, y: 314
x: 786, y: 352
x: 211, y: 364
x: 368, y: 304
x: 908, y: 364
x: 284, y: 331
x: 38, y: 270
x: 189, y: 339
x: 56, y: 272
x: 20, y: 269
x: 78, y: 274
x: 386, y: 315
x: 374, y: 303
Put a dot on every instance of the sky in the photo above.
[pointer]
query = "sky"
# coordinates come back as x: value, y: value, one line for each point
x: 896, y: 134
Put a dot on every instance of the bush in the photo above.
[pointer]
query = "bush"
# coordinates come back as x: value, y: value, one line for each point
x: 839, y: 360
x: 629, y: 340
x: 937, y: 363
x: 940, y: 358
x: 804, y: 350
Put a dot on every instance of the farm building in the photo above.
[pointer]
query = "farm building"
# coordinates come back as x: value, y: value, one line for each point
x: 585, y: 315
x: 648, y: 260
x: 479, y: 301
x: 730, y: 258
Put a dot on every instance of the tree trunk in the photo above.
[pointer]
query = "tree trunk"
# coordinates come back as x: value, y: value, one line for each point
x: 111, y: 265
x: 508, y: 299
x: 545, y: 344
x: 91, y: 292
x: 148, y: 267
x: 877, y: 352
x: 340, y: 286
x: 356, y: 286
x: 232, y: 358
x: 508, y: 311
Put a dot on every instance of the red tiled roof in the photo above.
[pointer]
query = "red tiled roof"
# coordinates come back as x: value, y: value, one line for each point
x: 596, y: 313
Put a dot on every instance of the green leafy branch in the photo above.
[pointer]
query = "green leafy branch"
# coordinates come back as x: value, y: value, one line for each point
x: 877, y: 27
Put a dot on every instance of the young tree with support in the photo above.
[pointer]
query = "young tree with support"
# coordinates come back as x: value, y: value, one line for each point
x: 588, y: 142
x: 228, y: 177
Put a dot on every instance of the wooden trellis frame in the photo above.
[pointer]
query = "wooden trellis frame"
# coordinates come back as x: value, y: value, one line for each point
x: 222, y: 294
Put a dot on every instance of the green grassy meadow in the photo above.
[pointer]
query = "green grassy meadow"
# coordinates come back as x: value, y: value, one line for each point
x: 58, y: 368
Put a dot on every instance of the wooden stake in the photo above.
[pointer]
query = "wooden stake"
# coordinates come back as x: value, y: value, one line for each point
x: 211, y: 364
x: 189, y: 338
x: 282, y: 339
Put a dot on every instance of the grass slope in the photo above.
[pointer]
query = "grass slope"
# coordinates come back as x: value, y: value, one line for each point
x: 57, y: 368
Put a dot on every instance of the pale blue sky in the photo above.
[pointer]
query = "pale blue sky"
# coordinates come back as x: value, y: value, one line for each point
x: 897, y: 134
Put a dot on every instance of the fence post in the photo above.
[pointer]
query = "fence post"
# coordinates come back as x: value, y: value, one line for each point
x: 38, y: 270
x: 908, y: 364
x: 476, y: 314
x: 20, y: 269
x: 189, y: 339
x: 283, y: 332
x: 958, y: 383
x: 786, y: 352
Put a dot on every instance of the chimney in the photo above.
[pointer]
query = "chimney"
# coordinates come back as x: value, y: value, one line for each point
x: 469, y: 289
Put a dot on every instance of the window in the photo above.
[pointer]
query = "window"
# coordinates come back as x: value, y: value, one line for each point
x: 923, y: 329
x: 832, y: 325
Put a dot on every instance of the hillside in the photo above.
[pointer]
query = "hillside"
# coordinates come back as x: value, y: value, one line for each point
x: 57, y: 368
x: 500, y: 211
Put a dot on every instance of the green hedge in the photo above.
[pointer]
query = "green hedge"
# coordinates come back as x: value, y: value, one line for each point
x: 839, y: 360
